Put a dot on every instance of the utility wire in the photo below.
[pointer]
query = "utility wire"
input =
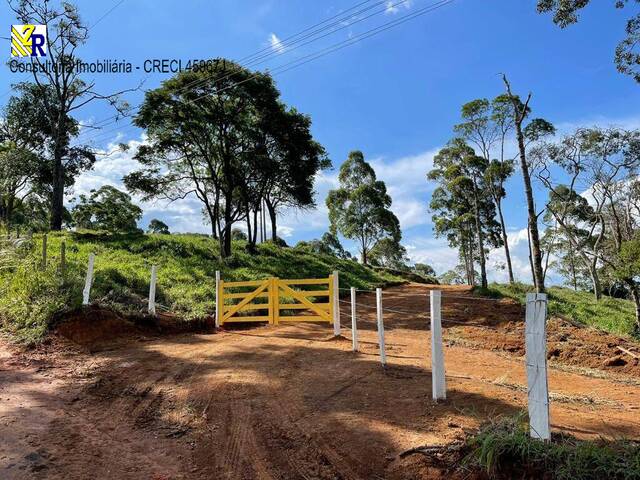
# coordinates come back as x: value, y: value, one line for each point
x: 269, y: 51
x: 314, y: 56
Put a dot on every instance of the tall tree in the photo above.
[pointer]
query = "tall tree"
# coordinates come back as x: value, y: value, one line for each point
x: 461, y: 174
x: 536, y: 129
x: 359, y: 208
x: 627, y: 55
x: 61, y: 90
x: 222, y: 135
x: 486, y: 125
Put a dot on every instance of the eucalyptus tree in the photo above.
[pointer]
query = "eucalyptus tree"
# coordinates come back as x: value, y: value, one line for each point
x: 602, y: 164
x: 61, y: 91
x: 525, y: 134
x: 359, y: 208
x: 487, y: 125
x: 462, y: 200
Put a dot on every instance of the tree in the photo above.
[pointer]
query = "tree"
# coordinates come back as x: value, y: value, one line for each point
x: 360, y: 208
x: 597, y: 161
x: 60, y: 90
x: 158, y: 226
x: 424, y: 270
x: 627, y: 57
x: 222, y: 135
x: 328, y: 244
x: 486, y: 125
x: 462, y: 201
x: 107, y: 209
x: 536, y: 130
x: 389, y: 254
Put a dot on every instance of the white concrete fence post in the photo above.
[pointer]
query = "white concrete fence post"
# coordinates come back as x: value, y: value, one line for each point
x: 336, y: 304
x: 88, y: 280
x: 438, y: 380
x: 354, y: 323
x: 535, y: 335
x: 383, y: 354
x: 217, y: 318
x: 152, y: 289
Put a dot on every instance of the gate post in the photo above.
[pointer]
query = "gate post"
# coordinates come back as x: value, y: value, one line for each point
x: 535, y: 335
x: 336, y: 304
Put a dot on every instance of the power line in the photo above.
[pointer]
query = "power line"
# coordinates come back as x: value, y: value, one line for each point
x: 314, y: 56
x: 268, y: 53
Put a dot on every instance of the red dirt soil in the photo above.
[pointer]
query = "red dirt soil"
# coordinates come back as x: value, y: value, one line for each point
x: 291, y: 402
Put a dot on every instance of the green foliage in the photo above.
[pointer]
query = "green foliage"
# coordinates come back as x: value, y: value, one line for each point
x: 613, y: 315
x: 504, y: 449
x: 360, y: 208
x: 30, y: 299
x: 389, y: 254
x: 107, y: 209
x: 158, y: 226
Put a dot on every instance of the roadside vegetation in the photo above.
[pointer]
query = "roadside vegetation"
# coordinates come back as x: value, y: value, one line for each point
x: 614, y: 315
x: 32, y: 297
x: 504, y: 449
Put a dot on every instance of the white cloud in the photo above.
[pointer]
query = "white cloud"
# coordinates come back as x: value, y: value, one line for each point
x: 276, y: 43
x: 393, y: 6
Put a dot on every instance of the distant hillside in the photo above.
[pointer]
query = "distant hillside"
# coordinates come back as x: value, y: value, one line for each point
x: 31, y: 298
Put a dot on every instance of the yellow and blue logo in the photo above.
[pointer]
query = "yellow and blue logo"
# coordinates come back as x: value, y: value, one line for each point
x: 28, y: 40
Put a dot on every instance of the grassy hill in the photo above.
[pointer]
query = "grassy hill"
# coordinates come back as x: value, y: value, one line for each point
x: 31, y: 298
x: 613, y: 315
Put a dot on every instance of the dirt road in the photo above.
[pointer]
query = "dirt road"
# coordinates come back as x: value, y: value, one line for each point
x: 285, y: 402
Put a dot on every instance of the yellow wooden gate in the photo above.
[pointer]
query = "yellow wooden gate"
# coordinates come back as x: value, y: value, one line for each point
x: 275, y: 300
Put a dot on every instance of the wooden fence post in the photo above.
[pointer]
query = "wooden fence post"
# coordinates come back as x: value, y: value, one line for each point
x: 217, y: 318
x: 88, y: 281
x: 438, y: 380
x: 383, y: 354
x: 336, y: 304
x: 44, y: 251
x: 152, y: 289
x: 536, y: 358
x: 354, y: 323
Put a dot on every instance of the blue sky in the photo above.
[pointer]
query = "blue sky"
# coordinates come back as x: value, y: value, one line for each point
x: 395, y: 96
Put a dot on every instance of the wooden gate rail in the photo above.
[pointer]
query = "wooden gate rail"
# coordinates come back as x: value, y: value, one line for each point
x: 239, y: 306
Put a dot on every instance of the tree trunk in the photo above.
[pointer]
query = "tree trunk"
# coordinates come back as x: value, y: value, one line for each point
x: 595, y: 281
x: 479, y: 234
x: 225, y: 241
x: 272, y: 216
x: 635, y: 294
x: 57, y: 197
x: 505, y: 240
x: 536, y: 255
x: 519, y: 116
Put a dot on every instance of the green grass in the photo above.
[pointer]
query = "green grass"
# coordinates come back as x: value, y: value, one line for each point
x: 30, y: 299
x: 504, y: 449
x: 613, y: 315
